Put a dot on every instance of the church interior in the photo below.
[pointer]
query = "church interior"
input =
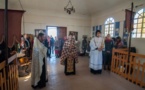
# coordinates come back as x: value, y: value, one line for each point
x: 122, y: 21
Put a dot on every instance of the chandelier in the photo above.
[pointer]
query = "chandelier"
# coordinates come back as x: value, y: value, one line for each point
x: 69, y: 8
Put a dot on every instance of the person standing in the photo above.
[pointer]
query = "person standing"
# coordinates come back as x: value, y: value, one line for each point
x: 62, y: 43
x: 49, y: 48
x: 27, y: 45
x: 57, y: 47
x: 84, y: 45
x: 39, y: 63
x: 69, y: 56
x: 108, y: 52
x: 119, y: 43
x: 88, y: 45
x: 97, y: 45
x: 46, y: 43
x: 52, y: 41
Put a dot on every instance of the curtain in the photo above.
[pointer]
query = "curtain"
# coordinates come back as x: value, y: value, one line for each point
x: 14, y: 26
x: 1, y: 26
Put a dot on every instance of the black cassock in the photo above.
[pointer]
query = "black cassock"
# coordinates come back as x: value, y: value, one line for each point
x: 39, y: 65
x: 43, y: 80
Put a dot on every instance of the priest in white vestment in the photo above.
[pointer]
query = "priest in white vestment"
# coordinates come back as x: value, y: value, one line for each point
x: 39, y: 63
x: 96, y: 45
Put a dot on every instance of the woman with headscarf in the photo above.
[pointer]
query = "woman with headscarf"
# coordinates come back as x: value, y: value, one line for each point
x: 108, y: 52
x: 119, y: 43
x: 57, y: 47
x: 69, y: 56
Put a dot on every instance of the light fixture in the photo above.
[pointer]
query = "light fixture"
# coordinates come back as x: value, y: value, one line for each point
x: 69, y: 8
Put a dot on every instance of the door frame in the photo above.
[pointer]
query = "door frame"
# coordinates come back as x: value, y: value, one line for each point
x: 57, y: 27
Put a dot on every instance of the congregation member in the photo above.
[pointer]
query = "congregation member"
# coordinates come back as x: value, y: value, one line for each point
x: 84, y: 45
x: 88, y: 45
x: 22, y: 45
x: 27, y: 45
x: 109, y: 44
x: 96, y: 45
x: 119, y: 43
x: 62, y: 43
x: 49, y: 48
x: 57, y: 47
x: 39, y: 63
x: 46, y: 43
x: 52, y: 41
x: 69, y: 56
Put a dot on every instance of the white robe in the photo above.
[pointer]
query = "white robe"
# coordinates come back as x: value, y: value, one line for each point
x: 95, y: 55
x: 38, y: 54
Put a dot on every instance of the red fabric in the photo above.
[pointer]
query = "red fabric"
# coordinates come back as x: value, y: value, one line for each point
x: 108, y: 40
x: 1, y: 25
x: 128, y: 20
x: 14, y: 26
x: 57, y: 51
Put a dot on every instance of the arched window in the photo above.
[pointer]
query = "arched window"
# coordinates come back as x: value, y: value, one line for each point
x: 139, y: 24
x: 109, y: 26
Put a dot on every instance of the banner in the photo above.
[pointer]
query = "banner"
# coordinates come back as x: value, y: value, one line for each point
x: 129, y: 20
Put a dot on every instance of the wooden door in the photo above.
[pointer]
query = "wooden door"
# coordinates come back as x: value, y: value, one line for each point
x: 61, y: 32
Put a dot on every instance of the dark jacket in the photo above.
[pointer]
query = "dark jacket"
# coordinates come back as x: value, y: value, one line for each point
x: 109, y: 45
x: 84, y: 44
x: 46, y: 43
x: 52, y: 41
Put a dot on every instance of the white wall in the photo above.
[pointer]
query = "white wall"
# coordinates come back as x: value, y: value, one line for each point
x: 35, y: 19
x: 118, y: 14
x: 39, y: 19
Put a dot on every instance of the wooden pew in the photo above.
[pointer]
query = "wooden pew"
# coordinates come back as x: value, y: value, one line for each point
x: 10, y: 83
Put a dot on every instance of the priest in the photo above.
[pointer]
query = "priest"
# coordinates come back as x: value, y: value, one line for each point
x: 69, y: 56
x: 97, y: 45
x: 39, y: 63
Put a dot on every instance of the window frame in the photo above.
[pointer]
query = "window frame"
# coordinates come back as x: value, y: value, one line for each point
x: 109, y: 26
x: 136, y: 29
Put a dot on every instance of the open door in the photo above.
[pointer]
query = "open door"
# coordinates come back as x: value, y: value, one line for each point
x: 61, y: 32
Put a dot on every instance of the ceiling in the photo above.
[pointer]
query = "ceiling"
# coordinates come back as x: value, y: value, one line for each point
x: 86, y: 7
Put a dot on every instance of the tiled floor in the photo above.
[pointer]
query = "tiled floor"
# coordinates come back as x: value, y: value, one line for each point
x: 83, y: 80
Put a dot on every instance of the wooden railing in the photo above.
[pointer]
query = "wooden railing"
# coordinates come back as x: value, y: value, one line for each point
x: 10, y: 83
x: 132, y: 69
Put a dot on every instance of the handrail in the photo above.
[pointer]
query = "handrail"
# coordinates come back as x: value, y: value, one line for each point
x: 12, y: 58
x: 132, y: 54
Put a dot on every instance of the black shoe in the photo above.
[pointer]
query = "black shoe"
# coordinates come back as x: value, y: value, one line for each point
x: 34, y: 87
x: 42, y: 86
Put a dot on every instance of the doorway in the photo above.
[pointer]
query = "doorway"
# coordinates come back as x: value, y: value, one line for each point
x: 53, y: 33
